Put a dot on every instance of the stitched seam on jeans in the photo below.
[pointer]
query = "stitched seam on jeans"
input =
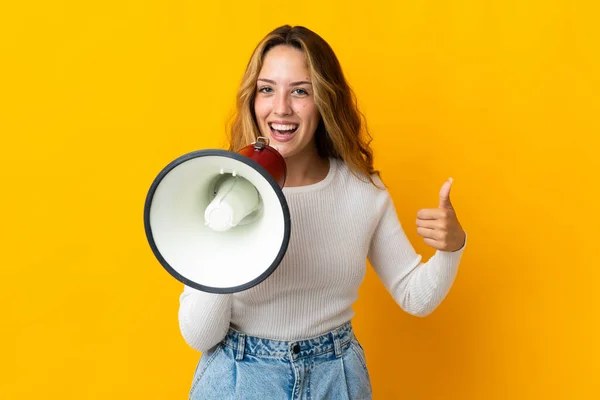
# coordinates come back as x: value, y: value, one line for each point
x: 362, y: 360
x: 254, y: 353
x: 332, y: 349
x: 285, y: 354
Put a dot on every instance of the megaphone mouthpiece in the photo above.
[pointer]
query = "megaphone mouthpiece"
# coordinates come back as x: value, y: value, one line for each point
x: 235, y: 199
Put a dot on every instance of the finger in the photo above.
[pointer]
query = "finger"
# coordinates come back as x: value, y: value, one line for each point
x: 432, y: 213
x: 429, y: 233
x: 445, y: 194
x: 434, y: 243
x: 431, y: 224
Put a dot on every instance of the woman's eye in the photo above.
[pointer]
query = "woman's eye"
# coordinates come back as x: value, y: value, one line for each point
x: 265, y: 89
x: 300, y: 91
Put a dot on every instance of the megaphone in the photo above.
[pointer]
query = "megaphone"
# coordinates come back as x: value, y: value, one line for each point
x: 217, y: 220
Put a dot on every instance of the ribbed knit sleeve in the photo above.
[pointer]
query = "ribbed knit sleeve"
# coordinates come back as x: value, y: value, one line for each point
x: 417, y: 287
x: 203, y: 317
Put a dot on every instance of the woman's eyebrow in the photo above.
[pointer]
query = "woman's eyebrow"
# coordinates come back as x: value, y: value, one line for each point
x: 298, y: 83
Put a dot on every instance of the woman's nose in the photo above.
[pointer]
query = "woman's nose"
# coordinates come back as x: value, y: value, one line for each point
x: 282, y: 105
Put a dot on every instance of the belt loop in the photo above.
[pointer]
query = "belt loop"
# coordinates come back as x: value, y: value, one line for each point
x: 336, y: 344
x: 241, y: 346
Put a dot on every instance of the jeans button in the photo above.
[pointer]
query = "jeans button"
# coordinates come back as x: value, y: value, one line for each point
x: 296, y: 349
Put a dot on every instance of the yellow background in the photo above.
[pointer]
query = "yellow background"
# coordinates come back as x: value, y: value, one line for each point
x: 97, y: 96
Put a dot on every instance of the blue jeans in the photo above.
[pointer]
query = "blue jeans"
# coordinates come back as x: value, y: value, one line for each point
x: 331, y: 366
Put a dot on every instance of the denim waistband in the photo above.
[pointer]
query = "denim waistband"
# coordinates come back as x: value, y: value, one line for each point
x: 330, y: 341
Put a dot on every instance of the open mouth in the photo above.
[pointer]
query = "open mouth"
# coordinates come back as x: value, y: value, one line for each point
x: 283, y: 129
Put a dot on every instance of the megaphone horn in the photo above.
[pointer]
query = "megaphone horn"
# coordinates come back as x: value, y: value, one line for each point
x: 217, y: 220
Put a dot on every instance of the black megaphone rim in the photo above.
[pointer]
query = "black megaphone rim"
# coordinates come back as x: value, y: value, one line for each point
x: 238, y: 157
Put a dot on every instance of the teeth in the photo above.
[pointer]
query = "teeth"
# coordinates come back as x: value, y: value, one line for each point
x: 281, y: 127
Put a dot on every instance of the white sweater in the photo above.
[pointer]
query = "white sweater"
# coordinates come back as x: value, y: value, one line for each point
x: 337, y: 224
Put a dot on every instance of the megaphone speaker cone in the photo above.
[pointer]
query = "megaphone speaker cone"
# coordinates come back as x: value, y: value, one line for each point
x: 217, y: 220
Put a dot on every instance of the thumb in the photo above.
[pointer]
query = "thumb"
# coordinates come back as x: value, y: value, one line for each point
x: 445, y: 194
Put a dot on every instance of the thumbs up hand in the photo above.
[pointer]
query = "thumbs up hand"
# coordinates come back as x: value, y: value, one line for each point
x: 439, y: 226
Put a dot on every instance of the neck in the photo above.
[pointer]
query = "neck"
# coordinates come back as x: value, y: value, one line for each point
x: 305, y: 169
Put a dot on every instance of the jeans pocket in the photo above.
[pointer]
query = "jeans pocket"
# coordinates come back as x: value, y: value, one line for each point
x: 205, y: 360
x: 360, y: 353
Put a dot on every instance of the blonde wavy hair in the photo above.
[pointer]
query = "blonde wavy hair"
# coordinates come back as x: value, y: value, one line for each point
x: 342, y: 132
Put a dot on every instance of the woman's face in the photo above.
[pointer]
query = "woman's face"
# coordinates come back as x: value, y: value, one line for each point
x: 285, y: 106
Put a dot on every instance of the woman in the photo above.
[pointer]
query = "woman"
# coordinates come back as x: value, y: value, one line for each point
x: 290, y: 336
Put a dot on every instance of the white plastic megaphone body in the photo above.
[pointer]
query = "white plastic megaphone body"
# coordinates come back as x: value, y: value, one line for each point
x: 217, y: 220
